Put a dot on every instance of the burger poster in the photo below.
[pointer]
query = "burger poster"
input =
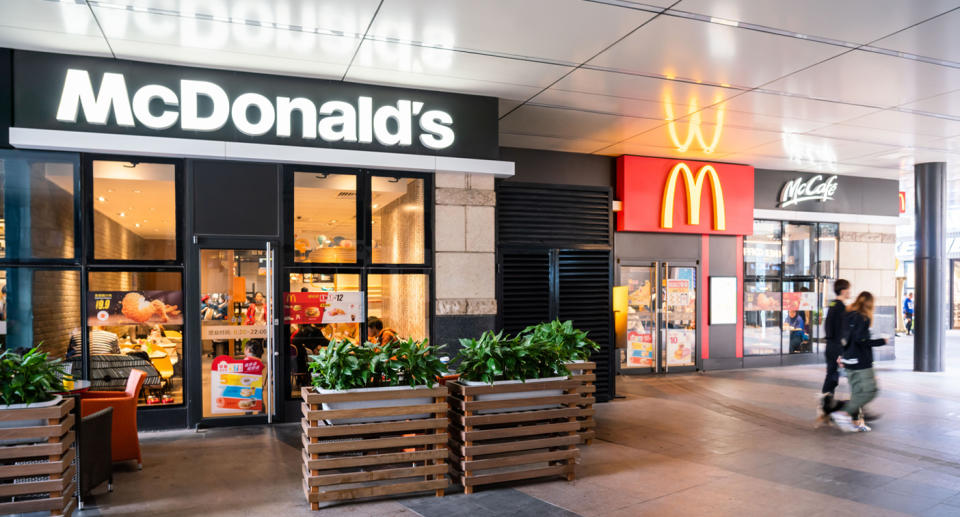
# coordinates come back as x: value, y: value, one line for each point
x: 323, y: 307
x: 236, y: 385
x: 106, y: 308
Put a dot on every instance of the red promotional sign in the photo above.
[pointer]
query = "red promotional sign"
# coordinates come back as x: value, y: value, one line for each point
x: 684, y: 196
x: 903, y: 202
x: 323, y: 307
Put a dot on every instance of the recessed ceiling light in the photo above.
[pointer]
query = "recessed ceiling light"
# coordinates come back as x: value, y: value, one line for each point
x: 376, y: 205
x: 333, y: 221
x: 109, y: 190
x: 137, y: 225
x: 136, y: 191
x: 153, y: 209
x: 101, y: 199
x: 122, y: 214
x: 144, y: 220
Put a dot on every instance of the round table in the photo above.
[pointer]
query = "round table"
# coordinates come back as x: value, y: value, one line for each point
x: 79, y: 386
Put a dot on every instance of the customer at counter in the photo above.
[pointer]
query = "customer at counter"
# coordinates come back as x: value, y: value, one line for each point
x: 101, y: 342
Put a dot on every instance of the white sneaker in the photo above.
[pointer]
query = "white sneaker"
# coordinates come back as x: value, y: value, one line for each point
x: 864, y: 428
x: 844, y: 422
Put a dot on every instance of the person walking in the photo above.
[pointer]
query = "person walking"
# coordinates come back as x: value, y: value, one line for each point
x: 858, y: 360
x: 833, y: 330
x: 908, y: 313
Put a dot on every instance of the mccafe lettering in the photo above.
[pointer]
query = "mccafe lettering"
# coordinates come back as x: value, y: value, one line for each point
x: 74, y: 93
x: 799, y: 190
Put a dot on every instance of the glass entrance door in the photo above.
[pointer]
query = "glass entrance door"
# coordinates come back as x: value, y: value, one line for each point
x: 661, y: 317
x: 237, y: 324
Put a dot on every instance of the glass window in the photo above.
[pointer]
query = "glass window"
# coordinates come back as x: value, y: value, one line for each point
x: 829, y: 250
x: 761, y: 318
x: 304, y: 339
x: 400, y: 302
x: 397, y: 225
x: 761, y: 251
x: 135, y: 320
x: 955, y: 293
x: 37, y: 203
x: 324, y: 217
x: 40, y: 307
x: 134, y: 211
x: 799, y: 305
x: 799, y: 253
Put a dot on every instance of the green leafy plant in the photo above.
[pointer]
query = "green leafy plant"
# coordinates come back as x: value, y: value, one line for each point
x: 343, y: 365
x: 28, y: 378
x: 493, y: 357
x: 573, y: 343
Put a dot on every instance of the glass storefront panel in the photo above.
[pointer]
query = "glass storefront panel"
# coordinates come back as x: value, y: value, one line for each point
x: 325, y: 217
x: 397, y: 223
x: 401, y: 302
x: 134, y: 211
x: 829, y: 249
x: 680, y: 316
x: 762, y: 250
x: 799, y: 307
x: 38, y: 206
x: 799, y: 253
x: 40, y: 307
x: 641, y: 316
x: 955, y: 293
x: 135, y: 320
x: 761, y: 318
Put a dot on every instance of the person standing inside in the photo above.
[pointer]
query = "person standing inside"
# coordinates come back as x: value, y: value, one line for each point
x: 858, y: 360
x: 908, y: 313
x: 833, y: 330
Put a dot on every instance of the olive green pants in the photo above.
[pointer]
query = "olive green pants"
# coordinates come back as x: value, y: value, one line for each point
x: 863, y: 389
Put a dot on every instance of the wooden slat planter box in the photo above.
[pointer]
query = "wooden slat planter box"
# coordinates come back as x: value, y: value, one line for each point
x: 584, y: 372
x: 359, y: 460
x: 509, y: 446
x: 38, y: 476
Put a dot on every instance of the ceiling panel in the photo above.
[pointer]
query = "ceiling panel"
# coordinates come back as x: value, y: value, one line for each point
x: 742, y: 119
x: 937, y: 38
x: 875, y: 135
x: 814, y: 150
x: 641, y: 149
x: 551, y: 143
x: 569, y: 31
x: 50, y: 26
x: 908, y: 123
x: 730, y: 139
x: 796, y: 107
x: 873, y: 79
x: 421, y: 67
x: 573, y: 124
x: 856, y: 21
x: 711, y: 52
x: 946, y: 104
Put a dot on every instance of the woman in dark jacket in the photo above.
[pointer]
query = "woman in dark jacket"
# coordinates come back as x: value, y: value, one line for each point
x: 858, y: 360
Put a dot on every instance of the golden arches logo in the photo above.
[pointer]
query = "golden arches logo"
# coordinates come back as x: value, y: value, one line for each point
x: 694, y: 128
x: 694, y: 187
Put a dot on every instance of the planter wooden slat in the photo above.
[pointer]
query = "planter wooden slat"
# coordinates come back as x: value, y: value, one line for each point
x: 514, y: 445
x: 395, y: 457
x: 584, y: 372
x: 49, y: 457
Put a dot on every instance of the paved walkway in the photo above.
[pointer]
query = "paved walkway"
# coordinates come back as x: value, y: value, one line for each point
x: 737, y: 443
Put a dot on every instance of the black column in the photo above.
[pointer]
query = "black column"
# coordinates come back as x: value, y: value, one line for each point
x: 930, y: 182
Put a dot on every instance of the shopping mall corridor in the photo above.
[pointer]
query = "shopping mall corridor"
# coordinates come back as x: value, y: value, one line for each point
x: 737, y: 443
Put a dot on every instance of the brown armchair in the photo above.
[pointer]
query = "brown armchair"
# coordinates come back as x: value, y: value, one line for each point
x: 124, y: 440
x: 96, y: 463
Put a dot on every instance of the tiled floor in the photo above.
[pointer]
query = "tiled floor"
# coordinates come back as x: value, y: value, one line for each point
x: 736, y: 443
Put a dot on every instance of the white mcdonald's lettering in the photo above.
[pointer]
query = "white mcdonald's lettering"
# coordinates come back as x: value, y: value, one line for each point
x: 694, y: 187
x: 694, y: 128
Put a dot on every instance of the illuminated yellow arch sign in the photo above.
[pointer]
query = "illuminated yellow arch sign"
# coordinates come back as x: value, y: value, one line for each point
x: 694, y: 187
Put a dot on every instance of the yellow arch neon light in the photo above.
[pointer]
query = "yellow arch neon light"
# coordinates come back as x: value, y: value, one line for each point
x: 694, y: 187
x: 694, y: 130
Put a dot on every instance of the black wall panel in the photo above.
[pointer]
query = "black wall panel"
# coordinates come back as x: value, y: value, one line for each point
x: 236, y: 198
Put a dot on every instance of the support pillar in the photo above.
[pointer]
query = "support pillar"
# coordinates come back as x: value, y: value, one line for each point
x: 930, y: 182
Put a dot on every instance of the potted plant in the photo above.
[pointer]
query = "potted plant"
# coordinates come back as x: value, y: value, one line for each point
x: 573, y: 343
x: 27, y: 380
x: 345, y: 367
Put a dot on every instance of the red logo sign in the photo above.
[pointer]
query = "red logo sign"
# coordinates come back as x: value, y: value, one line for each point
x: 903, y: 202
x: 683, y: 196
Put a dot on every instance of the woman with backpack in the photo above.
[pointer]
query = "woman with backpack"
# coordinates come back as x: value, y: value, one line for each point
x: 858, y: 360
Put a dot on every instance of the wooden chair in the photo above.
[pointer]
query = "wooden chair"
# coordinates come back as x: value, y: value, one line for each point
x: 125, y: 442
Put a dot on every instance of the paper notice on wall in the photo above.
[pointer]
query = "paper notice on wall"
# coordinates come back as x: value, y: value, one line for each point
x: 323, y: 307
x: 678, y: 292
x: 236, y: 385
x: 680, y: 346
x: 639, y: 349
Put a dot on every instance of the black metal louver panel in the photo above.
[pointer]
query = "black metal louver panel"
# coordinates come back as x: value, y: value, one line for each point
x: 584, y: 296
x: 552, y: 215
x: 526, y: 288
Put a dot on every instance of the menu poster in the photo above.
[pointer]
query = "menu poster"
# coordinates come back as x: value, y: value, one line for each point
x: 323, y: 307
x: 236, y: 385
x: 761, y: 301
x: 678, y: 292
x: 680, y: 346
x: 799, y: 301
x: 106, y: 308
x: 639, y: 348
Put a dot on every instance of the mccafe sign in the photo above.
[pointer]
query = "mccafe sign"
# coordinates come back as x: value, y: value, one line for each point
x: 123, y: 97
x: 801, y: 190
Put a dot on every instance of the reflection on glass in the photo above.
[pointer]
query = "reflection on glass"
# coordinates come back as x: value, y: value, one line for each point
x: 955, y: 298
x: 37, y: 205
x: 799, y: 306
x: 799, y: 253
x: 761, y: 332
x: 306, y: 339
x: 829, y: 251
x: 233, y: 330
x: 39, y: 307
x: 397, y: 226
x: 324, y: 217
x: 641, y: 316
x: 680, y: 316
x: 134, y: 211
x: 135, y: 321
x: 762, y: 250
x: 401, y: 302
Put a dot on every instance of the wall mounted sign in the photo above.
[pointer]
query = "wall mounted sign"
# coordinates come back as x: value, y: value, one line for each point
x: 801, y: 190
x: 134, y: 308
x: 53, y: 91
x: 683, y: 196
x: 723, y: 300
x: 323, y: 307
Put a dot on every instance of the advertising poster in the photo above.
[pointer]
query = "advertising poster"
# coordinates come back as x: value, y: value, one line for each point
x: 761, y: 301
x: 236, y: 385
x: 323, y: 307
x: 134, y: 307
x: 639, y: 348
x: 680, y: 346
x: 678, y: 292
x: 799, y: 301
